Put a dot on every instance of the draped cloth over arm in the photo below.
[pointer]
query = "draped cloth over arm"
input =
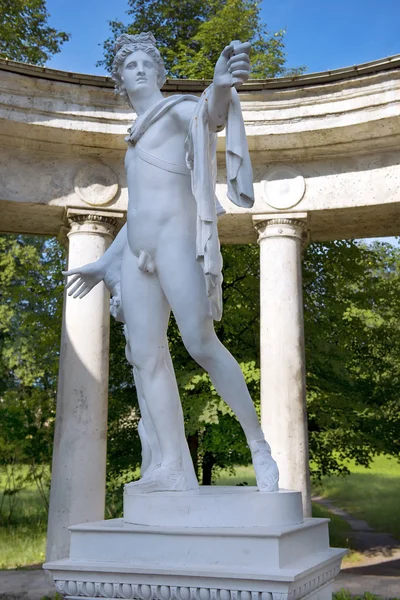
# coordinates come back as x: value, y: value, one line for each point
x: 201, y: 160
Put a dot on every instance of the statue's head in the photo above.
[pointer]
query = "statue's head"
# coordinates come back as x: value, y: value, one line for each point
x: 127, y: 45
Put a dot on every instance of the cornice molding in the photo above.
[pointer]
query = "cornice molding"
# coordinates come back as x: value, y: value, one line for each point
x: 354, y: 71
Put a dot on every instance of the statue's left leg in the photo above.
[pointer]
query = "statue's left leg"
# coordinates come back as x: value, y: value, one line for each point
x: 183, y: 283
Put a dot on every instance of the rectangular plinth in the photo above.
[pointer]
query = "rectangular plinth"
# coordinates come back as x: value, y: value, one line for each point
x: 112, y: 559
x: 254, y: 549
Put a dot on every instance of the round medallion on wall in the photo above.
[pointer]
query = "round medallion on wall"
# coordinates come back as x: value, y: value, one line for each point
x: 96, y: 184
x: 284, y: 187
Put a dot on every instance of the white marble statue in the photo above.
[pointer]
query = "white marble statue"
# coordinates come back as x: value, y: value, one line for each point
x: 167, y: 256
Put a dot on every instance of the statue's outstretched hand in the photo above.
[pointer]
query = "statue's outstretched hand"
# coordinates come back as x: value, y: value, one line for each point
x: 233, y: 66
x: 84, y: 279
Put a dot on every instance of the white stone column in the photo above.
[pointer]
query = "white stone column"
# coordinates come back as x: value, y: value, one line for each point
x: 79, y: 454
x: 283, y: 388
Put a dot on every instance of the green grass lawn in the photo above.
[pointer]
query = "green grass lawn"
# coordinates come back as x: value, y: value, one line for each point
x: 372, y: 494
x: 23, y: 535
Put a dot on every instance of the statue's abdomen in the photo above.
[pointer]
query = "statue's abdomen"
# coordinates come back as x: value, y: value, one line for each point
x: 158, y: 200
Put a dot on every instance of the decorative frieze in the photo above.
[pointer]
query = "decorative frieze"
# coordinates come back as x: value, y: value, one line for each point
x: 142, y: 591
x: 156, y: 592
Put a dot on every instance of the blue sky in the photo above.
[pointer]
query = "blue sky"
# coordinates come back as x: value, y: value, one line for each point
x: 320, y: 35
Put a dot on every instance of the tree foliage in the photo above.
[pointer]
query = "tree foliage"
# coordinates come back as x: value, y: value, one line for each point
x: 31, y: 292
x: 352, y: 332
x: 192, y: 34
x: 25, y: 34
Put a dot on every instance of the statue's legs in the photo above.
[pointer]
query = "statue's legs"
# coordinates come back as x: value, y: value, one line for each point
x: 183, y: 283
x: 146, y: 315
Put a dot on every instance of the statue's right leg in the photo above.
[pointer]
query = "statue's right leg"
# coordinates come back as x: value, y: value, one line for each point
x: 146, y: 315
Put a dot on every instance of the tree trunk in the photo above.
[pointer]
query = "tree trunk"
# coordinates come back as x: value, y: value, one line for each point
x: 207, y: 467
x: 193, y: 443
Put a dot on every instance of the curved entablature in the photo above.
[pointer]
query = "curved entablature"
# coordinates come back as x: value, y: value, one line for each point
x: 190, y: 85
x: 287, y: 118
x: 62, y: 145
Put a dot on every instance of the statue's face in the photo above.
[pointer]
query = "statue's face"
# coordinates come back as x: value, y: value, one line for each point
x: 139, y: 74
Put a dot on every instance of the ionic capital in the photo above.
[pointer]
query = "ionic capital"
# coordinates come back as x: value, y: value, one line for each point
x: 271, y: 226
x: 95, y: 222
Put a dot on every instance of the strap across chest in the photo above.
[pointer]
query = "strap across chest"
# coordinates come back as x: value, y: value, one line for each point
x: 166, y: 165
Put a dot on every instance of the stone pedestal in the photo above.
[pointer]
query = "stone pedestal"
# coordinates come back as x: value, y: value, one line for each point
x: 210, y: 506
x: 79, y: 455
x: 284, y: 558
x: 283, y: 387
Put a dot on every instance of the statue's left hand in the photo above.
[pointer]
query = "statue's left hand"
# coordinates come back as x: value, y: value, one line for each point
x: 233, y: 66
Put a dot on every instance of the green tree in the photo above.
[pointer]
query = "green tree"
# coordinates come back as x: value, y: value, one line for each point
x: 352, y: 333
x: 171, y: 21
x: 31, y: 287
x: 25, y: 34
x: 192, y: 34
x: 234, y: 20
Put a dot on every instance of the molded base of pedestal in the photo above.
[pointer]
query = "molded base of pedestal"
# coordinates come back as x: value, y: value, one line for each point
x: 116, y: 559
x: 213, y: 506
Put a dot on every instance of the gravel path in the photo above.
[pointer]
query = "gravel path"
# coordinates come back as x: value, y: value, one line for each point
x: 379, y: 570
x: 364, y: 538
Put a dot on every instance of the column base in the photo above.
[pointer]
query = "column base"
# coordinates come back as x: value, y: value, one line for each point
x: 116, y: 559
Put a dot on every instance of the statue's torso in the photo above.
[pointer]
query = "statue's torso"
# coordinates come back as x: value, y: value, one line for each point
x: 159, y: 200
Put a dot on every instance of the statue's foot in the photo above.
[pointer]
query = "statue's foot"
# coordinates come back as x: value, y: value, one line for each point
x: 165, y: 478
x: 266, y: 469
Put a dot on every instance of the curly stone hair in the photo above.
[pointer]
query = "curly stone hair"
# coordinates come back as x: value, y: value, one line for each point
x: 125, y: 45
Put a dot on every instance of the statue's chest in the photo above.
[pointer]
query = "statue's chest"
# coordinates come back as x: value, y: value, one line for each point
x: 163, y: 139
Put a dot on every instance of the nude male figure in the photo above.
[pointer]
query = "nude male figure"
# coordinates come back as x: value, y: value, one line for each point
x: 157, y: 261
